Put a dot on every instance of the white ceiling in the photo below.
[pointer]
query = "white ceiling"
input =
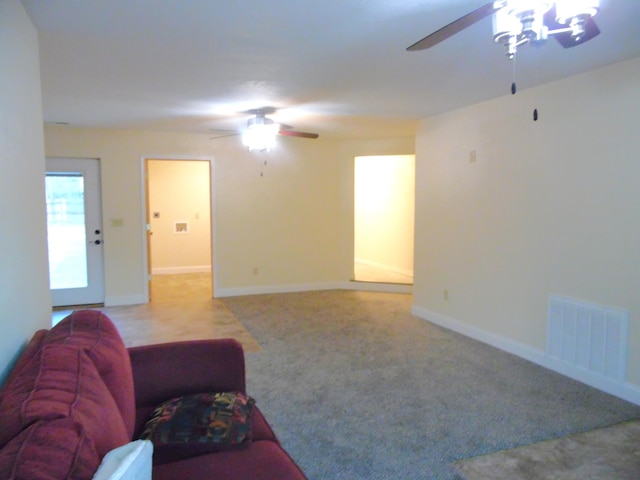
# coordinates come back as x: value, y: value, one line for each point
x: 336, y: 67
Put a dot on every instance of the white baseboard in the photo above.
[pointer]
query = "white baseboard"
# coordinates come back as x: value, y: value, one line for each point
x: 377, y: 287
x: 179, y: 270
x: 116, y: 301
x: 263, y: 289
x: 310, y: 287
x: 625, y: 390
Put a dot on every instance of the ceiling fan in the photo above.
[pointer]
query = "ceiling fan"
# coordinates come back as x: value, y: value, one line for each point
x: 516, y: 22
x: 260, y: 133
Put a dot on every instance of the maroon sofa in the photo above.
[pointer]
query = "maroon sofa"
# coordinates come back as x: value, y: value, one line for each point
x: 77, y: 393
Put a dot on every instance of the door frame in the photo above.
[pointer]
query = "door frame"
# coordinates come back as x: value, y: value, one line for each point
x: 95, y: 262
x: 146, y: 221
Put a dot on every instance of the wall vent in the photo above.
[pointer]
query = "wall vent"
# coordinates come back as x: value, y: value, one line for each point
x: 587, y: 336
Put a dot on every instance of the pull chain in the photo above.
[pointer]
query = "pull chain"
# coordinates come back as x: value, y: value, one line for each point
x: 262, y: 165
x: 513, y: 76
x: 535, y: 95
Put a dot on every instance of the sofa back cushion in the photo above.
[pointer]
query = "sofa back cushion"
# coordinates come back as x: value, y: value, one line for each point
x: 50, y: 450
x: 31, y: 349
x: 62, y: 382
x: 94, y: 332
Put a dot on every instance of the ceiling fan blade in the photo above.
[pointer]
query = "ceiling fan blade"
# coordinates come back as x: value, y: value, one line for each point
x: 218, y: 133
x: 293, y: 133
x: 565, y: 39
x: 223, y: 136
x: 261, y: 111
x: 454, y: 27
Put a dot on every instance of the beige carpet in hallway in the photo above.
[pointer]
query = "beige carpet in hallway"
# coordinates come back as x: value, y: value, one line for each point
x: 369, y: 273
x: 181, y: 308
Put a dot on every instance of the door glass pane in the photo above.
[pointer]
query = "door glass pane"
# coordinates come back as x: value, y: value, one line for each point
x: 66, y: 230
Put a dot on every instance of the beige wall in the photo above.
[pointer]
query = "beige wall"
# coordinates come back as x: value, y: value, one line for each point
x: 384, y: 211
x: 25, y: 302
x: 547, y: 207
x: 285, y: 224
x: 179, y: 191
x: 121, y: 154
x: 294, y: 224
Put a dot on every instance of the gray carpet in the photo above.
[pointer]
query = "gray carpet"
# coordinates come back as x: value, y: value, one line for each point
x: 358, y: 388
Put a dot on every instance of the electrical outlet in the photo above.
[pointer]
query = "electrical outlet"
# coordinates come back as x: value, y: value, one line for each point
x: 472, y: 156
x: 445, y: 295
x: 255, y: 270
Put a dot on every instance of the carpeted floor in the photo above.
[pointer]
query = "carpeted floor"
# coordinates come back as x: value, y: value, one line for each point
x: 358, y: 388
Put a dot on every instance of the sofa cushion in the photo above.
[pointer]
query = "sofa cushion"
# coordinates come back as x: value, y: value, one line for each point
x: 262, y: 460
x: 50, y: 450
x: 66, y: 384
x: 168, y: 370
x: 194, y: 424
x: 260, y: 428
x: 30, y: 350
x: 95, y: 332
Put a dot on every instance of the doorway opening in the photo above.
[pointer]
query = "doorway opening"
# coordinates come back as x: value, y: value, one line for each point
x: 179, y: 227
x: 384, y: 206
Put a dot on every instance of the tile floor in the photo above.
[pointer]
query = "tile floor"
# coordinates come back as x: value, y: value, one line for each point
x: 182, y: 308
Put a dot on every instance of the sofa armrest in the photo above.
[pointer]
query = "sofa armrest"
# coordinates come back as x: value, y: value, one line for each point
x: 168, y: 370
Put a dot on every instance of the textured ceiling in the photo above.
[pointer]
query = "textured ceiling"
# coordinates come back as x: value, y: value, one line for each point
x: 337, y: 67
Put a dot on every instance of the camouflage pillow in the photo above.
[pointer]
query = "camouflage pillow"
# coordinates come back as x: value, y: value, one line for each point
x: 202, y: 423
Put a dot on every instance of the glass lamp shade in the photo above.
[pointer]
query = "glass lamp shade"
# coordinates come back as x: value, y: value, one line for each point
x: 568, y: 9
x: 520, y: 7
x: 510, y: 20
x: 260, y: 136
x: 505, y: 25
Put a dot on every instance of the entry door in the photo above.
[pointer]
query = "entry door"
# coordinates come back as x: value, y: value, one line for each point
x: 74, y: 228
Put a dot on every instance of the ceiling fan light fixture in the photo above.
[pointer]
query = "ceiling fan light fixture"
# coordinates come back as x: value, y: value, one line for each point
x: 522, y: 8
x: 570, y: 11
x: 260, y: 135
x: 505, y: 25
x: 517, y: 22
